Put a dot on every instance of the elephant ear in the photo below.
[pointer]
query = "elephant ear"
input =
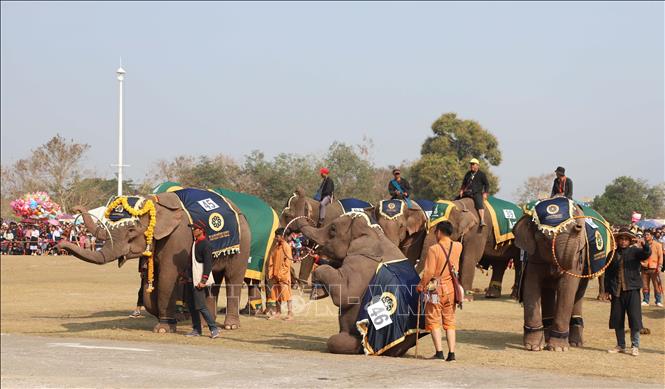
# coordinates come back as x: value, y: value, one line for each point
x: 525, y: 235
x: 415, y: 220
x: 169, y: 215
x: 362, y: 238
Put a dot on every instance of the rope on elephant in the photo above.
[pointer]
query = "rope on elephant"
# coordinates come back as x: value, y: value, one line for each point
x: 309, y: 250
x: 585, y: 276
x: 99, y: 222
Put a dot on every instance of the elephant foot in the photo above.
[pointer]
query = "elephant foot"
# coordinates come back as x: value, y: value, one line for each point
x: 515, y: 293
x: 534, y: 339
x: 344, y: 343
x: 575, y: 338
x: 318, y: 293
x: 164, y: 328
x: 557, y: 344
x: 231, y: 327
x: 182, y: 316
x: 494, y: 290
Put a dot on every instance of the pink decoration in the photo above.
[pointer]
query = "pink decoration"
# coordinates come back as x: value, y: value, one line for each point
x: 37, y: 205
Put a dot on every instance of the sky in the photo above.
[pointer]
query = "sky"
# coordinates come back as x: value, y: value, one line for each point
x: 579, y: 85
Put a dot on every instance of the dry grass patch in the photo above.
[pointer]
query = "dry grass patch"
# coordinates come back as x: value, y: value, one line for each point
x: 61, y: 296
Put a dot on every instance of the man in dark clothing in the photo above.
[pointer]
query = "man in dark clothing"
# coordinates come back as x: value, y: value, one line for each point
x: 563, y: 186
x: 399, y: 188
x: 622, y: 286
x: 325, y: 194
x: 196, y: 301
x: 476, y: 186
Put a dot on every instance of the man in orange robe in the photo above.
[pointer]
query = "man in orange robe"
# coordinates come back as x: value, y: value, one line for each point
x: 441, y: 314
x: 651, y: 271
x: 279, y: 274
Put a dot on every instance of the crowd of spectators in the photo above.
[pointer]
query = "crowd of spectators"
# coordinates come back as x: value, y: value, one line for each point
x: 41, y: 238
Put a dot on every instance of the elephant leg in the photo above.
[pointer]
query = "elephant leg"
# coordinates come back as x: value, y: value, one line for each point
x: 576, y: 337
x: 343, y: 343
x: 254, y: 301
x: 211, y: 304
x: 498, y: 270
x: 306, y: 266
x: 565, y: 300
x: 533, y: 322
x: 233, y: 282
x: 548, y: 304
x: 517, y: 263
x: 471, y: 254
x: 332, y: 281
x: 166, y: 300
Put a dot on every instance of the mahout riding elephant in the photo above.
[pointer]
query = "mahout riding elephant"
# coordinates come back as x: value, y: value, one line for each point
x: 172, y: 257
x: 405, y: 227
x: 359, y: 246
x: 478, y: 242
x: 552, y: 293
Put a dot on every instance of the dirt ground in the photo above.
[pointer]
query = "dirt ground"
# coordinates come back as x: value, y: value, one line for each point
x: 63, y: 297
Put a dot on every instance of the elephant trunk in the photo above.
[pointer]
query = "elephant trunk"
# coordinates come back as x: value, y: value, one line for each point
x: 315, y: 234
x: 98, y: 232
x: 101, y: 257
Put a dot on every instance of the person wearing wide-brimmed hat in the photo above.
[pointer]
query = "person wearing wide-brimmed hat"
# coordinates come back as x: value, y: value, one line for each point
x: 563, y: 185
x: 622, y: 286
x: 476, y: 186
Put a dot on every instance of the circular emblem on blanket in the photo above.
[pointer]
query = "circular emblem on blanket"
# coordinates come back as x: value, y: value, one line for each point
x: 552, y: 209
x: 599, y: 240
x: 216, y: 222
x: 119, y: 209
x: 390, y: 301
x: 391, y: 206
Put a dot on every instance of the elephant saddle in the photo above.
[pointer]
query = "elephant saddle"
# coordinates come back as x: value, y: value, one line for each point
x: 354, y: 205
x: 216, y: 213
x: 391, y: 209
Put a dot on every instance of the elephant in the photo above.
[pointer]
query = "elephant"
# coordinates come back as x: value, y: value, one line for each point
x: 358, y: 246
x: 552, y: 294
x: 301, y: 205
x: 479, y: 242
x: 407, y: 231
x: 172, y: 247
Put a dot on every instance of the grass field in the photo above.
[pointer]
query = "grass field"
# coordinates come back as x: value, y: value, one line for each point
x: 62, y: 296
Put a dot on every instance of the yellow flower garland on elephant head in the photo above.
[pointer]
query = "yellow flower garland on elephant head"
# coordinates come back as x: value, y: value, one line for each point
x: 148, y: 207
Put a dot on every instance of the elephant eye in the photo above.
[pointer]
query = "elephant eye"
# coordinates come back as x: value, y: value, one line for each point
x: 333, y: 230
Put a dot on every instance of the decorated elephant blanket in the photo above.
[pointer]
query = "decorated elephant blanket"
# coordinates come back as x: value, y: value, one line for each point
x: 553, y: 215
x: 263, y: 222
x: 391, y: 209
x: 262, y: 219
x: 389, y: 307
x: 119, y: 215
x: 216, y: 213
x: 503, y: 214
x: 354, y: 205
x: 426, y: 205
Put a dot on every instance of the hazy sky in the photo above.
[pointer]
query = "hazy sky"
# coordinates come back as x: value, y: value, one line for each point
x: 573, y: 84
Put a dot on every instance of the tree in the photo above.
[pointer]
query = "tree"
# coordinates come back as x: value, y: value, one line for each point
x: 93, y: 192
x: 533, y: 188
x: 446, y: 155
x: 275, y: 181
x: 52, y: 167
x: 352, y: 174
x: 625, y: 195
x: 219, y: 171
